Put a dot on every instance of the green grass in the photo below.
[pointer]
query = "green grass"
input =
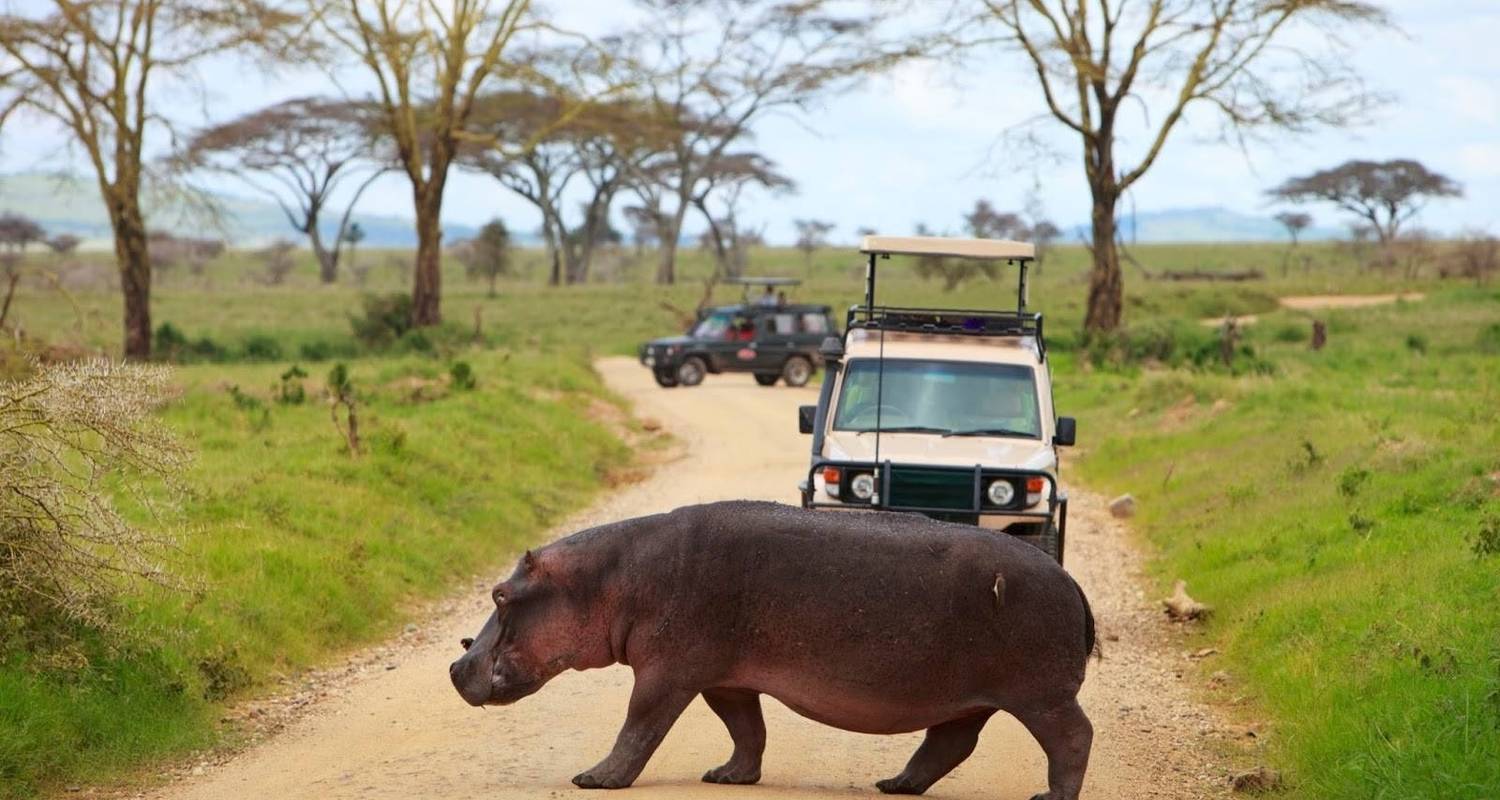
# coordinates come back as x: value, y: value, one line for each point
x: 301, y: 551
x: 1330, y: 514
x: 1329, y: 508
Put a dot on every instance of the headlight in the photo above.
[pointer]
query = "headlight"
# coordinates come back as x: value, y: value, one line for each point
x: 862, y: 486
x: 1001, y: 492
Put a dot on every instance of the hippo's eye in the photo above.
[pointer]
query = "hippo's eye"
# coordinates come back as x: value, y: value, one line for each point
x: 466, y: 642
x: 499, y: 597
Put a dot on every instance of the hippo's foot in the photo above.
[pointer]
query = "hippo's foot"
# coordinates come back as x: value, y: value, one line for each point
x: 901, y: 784
x: 732, y: 773
x: 599, y: 780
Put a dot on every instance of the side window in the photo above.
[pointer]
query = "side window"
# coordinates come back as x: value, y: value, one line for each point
x: 814, y: 323
x: 784, y: 324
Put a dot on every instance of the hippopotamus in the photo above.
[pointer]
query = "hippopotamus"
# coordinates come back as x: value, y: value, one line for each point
x: 872, y: 622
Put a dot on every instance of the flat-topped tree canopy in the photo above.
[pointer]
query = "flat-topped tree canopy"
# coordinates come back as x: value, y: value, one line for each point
x: 982, y: 249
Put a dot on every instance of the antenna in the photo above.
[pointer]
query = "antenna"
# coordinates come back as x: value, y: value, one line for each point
x: 879, y: 377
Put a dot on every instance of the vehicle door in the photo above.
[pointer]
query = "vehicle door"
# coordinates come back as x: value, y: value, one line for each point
x: 734, y: 348
x: 778, y: 339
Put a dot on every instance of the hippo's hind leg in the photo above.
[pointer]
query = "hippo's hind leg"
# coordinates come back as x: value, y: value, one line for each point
x: 1066, y: 735
x: 740, y: 711
x: 945, y: 747
x: 654, y: 705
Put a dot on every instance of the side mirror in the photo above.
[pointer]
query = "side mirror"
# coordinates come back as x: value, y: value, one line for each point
x: 1067, y: 431
x: 805, y: 417
x: 832, y: 349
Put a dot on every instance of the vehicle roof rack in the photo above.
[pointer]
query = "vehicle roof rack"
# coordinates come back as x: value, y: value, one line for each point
x: 756, y: 280
x: 982, y: 249
x: 949, y: 322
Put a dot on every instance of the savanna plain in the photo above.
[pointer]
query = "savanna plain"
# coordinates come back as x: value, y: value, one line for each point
x: 1339, y: 507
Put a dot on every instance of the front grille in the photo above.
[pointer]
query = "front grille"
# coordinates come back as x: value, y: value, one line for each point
x: 931, y: 487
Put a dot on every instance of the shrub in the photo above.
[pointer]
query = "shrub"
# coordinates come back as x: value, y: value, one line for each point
x: 386, y: 318
x: 462, y: 375
x: 172, y: 345
x: 72, y: 437
x: 261, y: 347
x: 277, y: 261
x: 1486, y: 540
x: 1489, y: 338
x: 341, y: 389
x: 327, y: 349
x: 291, y: 391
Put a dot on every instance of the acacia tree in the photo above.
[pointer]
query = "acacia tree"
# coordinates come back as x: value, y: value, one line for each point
x: 1295, y: 222
x: 306, y: 147
x: 538, y: 145
x: 429, y: 62
x: 712, y: 68
x: 1236, y: 59
x: 487, y: 255
x: 724, y: 182
x: 811, y: 235
x: 93, y: 67
x: 1384, y: 194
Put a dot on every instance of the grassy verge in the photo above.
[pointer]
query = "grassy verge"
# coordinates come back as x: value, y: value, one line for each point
x: 302, y: 551
x: 1343, y: 516
x: 1336, y: 507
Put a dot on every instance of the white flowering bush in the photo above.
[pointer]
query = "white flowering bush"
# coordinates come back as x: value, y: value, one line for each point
x: 73, y: 439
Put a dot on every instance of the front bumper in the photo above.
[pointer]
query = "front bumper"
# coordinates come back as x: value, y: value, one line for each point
x: 657, y: 357
x: 949, y: 493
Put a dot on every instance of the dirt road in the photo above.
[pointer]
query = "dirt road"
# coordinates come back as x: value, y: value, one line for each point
x: 402, y: 732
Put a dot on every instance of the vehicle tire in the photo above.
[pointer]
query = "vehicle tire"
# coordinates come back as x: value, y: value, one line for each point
x: 691, y: 371
x: 766, y: 380
x: 1047, y: 541
x: 664, y: 378
x: 797, y: 371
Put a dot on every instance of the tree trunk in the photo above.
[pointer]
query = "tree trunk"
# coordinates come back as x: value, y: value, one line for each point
x: 666, y: 268
x: 328, y: 260
x: 554, y: 248
x: 427, y: 288
x: 135, y: 271
x: 1106, y: 284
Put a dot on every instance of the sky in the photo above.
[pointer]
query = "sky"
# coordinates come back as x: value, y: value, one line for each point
x: 921, y: 143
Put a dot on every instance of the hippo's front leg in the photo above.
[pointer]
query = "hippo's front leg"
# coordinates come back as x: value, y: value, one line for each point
x: 655, y: 703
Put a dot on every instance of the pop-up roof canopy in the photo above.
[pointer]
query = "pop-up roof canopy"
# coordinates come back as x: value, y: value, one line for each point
x: 984, y: 249
x: 753, y: 280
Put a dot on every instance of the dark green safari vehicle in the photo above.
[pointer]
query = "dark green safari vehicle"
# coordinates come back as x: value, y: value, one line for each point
x: 766, y: 336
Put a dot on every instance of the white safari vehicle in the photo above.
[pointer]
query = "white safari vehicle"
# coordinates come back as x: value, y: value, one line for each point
x: 942, y: 412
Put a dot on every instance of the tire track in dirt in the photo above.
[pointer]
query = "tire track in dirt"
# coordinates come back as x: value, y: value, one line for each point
x: 403, y: 732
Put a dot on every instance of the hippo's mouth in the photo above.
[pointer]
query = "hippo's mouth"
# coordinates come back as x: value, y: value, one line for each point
x: 503, y: 693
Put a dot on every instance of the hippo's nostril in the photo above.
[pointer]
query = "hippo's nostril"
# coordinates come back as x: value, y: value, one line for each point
x: 466, y: 642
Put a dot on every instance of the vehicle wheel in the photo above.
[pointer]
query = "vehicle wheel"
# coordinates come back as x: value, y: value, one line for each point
x: 664, y: 378
x: 691, y: 371
x: 1047, y: 541
x: 766, y: 380
x: 796, y: 371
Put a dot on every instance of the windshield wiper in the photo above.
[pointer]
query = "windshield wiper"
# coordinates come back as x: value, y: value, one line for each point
x: 991, y: 432
x: 909, y: 429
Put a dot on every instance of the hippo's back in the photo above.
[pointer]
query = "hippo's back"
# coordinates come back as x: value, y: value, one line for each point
x: 866, y: 599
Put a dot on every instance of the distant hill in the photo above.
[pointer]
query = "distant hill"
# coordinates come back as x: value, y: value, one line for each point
x: 1207, y: 224
x: 72, y: 205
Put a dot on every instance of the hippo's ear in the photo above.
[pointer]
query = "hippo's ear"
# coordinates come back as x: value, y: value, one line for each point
x: 528, y: 563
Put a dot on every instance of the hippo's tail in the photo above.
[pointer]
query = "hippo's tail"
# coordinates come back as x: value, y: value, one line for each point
x: 1090, y: 644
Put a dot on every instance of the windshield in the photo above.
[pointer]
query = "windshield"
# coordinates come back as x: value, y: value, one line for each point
x: 713, y: 326
x: 940, y: 397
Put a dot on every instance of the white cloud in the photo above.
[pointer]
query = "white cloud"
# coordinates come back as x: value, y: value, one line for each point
x: 1480, y: 160
x: 1470, y: 98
